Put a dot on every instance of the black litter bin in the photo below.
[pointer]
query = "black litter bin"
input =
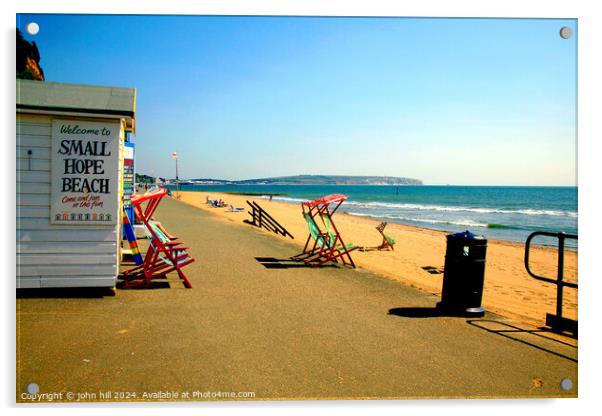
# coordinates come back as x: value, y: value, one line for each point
x: 464, y: 274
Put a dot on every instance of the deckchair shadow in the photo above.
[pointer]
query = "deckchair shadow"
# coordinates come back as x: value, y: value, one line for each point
x: 269, y: 259
x: 284, y: 265
x: 274, y: 263
x: 153, y: 284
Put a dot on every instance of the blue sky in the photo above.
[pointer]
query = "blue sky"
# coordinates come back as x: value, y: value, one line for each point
x: 448, y: 101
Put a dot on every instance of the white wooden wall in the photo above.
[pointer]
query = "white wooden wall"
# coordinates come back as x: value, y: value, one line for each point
x: 53, y: 255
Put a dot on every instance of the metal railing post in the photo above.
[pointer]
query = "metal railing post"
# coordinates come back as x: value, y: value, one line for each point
x: 559, y: 286
x: 556, y: 322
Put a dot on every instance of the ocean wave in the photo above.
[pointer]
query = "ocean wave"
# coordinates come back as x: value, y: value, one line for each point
x: 465, y: 223
x: 287, y: 199
x: 371, y: 206
x: 420, y: 207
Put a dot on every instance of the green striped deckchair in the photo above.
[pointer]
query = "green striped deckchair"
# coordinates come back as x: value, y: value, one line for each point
x: 388, y: 241
x: 319, y: 238
x: 332, y: 235
x: 329, y: 245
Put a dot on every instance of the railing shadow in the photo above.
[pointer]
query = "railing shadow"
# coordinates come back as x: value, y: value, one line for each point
x: 515, y: 330
x: 504, y: 329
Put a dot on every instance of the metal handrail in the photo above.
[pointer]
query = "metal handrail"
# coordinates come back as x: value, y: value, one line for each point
x: 260, y: 218
x: 559, y: 281
x: 560, y: 276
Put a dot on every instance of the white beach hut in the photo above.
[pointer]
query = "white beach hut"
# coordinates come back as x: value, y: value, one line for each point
x: 70, y: 141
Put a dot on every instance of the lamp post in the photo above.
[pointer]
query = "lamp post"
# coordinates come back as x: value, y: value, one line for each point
x: 174, y: 155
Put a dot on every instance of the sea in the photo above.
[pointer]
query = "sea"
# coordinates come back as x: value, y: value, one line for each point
x: 508, y: 213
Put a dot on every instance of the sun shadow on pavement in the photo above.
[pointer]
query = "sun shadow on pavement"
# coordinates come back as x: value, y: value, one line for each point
x: 415, y: 312
x: 153, y: 284
x: 537, y: 337
x: 66, y: 293
x: 274, y: 263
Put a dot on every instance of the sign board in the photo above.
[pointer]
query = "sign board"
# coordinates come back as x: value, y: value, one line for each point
x: 84, y: 177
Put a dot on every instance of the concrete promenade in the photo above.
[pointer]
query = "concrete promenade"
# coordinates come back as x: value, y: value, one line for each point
x: 255, y: 322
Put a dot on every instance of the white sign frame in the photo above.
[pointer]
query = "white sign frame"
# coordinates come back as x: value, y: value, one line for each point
x: 85, y: 172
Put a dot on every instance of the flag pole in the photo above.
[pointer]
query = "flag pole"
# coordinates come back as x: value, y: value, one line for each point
x: 174, y: 155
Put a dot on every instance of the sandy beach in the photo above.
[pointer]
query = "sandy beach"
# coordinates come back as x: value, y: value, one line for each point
x: 418, y: 258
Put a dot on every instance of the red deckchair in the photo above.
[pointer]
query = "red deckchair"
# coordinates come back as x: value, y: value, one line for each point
x: 164, y: 255
x: 327, y: 245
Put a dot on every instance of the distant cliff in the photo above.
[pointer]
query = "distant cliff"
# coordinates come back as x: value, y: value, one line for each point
x: 28, y: 59
x: 315, y: 180
x: 333, y: 180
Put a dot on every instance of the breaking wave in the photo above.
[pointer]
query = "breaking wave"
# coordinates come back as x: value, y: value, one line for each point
x: 443, y: 208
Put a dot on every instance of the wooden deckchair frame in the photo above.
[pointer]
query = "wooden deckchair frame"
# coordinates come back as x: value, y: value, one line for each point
x: 332, y: 248
x: 163, y: 256
x: 388, y: 241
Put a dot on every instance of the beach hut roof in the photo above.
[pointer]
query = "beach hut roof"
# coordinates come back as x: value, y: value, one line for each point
x: 76, y: 99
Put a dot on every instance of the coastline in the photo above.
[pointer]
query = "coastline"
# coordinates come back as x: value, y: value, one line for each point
x: 508, y: 213
x: 419, y: 254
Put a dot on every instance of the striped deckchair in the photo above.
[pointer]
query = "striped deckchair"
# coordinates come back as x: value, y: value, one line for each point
x: 319, y: 239
x: 329, y: 245
x: 388, y: 241
x: 130, y: 235
x: 164, y: 255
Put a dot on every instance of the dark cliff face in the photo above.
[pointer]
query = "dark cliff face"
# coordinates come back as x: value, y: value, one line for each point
x: 28, y: 59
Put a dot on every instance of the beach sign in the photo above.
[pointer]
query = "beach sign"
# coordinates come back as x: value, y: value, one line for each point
x: 84, y: 172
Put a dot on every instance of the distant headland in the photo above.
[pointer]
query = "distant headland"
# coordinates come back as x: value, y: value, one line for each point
x: 297, y: 180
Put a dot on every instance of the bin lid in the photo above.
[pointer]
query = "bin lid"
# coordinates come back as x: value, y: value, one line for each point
x: 466, y: 235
